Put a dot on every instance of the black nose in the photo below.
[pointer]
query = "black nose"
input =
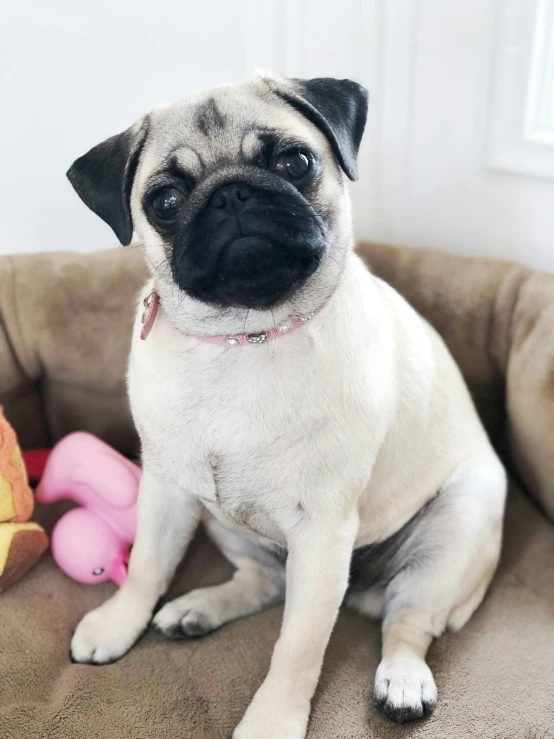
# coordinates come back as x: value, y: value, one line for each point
x: 230, y: 196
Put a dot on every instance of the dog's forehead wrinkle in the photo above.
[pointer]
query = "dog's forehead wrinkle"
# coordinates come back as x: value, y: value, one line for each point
x: 234, y: 146
x: 216, y: 121
x: 185, y: 158
x: 218, y: 151
x: 209, y: 117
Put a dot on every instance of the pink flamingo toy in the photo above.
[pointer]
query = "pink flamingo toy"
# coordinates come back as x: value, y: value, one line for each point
x: 91, y: 544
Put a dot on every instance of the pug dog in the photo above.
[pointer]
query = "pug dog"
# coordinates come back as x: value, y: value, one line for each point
x: 288, y: 398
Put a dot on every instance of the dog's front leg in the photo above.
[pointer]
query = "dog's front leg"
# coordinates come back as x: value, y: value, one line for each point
x: 167, y: 519
x: 319, y: 554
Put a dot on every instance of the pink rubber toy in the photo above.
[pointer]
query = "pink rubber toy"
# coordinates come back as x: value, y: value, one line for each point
x: 91, y: 544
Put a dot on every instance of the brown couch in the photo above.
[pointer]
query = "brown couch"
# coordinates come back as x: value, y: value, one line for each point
x: 65, y: 321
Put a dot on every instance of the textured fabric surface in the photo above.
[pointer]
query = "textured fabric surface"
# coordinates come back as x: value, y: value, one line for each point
x: 65, y: 330
x: 495, y: 677
x: 64, y: 337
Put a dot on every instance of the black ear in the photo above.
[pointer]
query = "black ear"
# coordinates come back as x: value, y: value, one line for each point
x: 103, y: 178
x: 337, y: 107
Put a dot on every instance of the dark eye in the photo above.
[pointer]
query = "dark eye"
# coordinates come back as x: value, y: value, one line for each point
x: 167, y: 204
x: 293, y: 164
x: 98, y: 571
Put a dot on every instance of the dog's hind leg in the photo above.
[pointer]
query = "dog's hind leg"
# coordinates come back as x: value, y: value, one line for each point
x: 435, y: 580
x: 258, y: 583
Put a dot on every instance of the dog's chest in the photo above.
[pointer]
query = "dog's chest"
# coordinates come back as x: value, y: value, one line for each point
x: 267, y: 430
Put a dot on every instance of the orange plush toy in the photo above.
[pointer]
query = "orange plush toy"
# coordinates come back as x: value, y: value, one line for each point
x: 21, y: 541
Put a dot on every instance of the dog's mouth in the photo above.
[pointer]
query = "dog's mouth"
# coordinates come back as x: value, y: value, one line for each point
x: 255, y: 260
x: 249, y: 259
x: 254, y: 272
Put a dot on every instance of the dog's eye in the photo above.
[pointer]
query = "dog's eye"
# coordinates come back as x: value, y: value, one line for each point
x: 98, y: 571
x: 167, y: 204
x: 293, y: 164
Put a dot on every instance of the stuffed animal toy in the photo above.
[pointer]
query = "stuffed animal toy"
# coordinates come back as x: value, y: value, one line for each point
x: 91, y: 543
x: 21, y: 541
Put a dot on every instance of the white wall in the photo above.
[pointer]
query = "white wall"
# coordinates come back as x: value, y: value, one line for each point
x: 458, y: 170
x: 432, y: 163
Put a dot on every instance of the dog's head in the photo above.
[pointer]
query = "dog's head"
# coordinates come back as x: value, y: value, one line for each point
x: 238, y: 195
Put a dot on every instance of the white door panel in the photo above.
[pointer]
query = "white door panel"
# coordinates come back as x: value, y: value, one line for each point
x: 450, y: 193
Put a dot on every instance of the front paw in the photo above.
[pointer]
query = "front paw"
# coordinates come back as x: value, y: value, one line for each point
x: 404, y: 690
x: 107, y: 633
x: 272, y: 715
x: 189, y: 616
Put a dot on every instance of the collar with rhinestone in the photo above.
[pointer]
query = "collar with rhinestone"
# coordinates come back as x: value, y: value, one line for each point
x: 152, y: 302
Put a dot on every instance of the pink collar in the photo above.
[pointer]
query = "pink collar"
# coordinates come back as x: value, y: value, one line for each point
x: 152, y: 303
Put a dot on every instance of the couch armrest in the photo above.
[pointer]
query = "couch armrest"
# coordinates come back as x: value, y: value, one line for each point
x: 67, y: 318
x: 530, y: 388
x: 19, y: 392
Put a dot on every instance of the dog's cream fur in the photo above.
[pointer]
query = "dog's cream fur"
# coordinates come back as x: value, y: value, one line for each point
x: 322, y: 441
